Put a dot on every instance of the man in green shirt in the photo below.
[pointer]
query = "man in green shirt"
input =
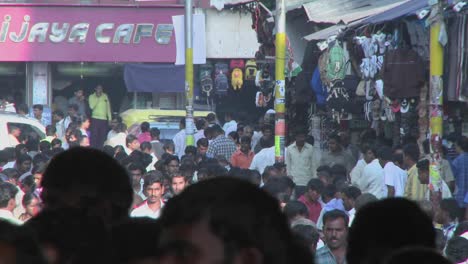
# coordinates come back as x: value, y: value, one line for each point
x: 101, y: 115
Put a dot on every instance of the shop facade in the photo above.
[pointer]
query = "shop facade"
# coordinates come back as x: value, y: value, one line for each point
x: 46, y: 51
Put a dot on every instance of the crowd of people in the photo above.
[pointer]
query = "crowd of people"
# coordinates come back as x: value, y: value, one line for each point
x: 141, y: 198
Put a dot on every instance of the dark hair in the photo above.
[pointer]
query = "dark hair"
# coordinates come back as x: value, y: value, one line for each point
x: 307, y: 233
x: 335, y: 214
x: 202, y: 142
x: 234, y: 136
x: 324, y: 168
x: 191, y: 150
x: 217, y: 129
x: 200, y: 124
x: 315, y: 185
x: 170, y: 158
x: 411, y: 151
x: 462, y: 142
x: 145, y: 146
x: 59, y: 113
x: 51, y: 130
x: 457, y: 249
x: 95, y: 178
x: 335, y: 137
x: 267, y: 127
x: 397, y: 158
x: 211, y: 117
x: 423, y: 165
x: 7, y: 192
x: 45, y: 146
x: 29, y: 182
x: 153, y: 177
x: 28, y: 197
x: 295, y: 208
x: 364, y: 199
x: 145, y: 127
x: 169, y: 145
x: 154, y: 132
x: 22, y: 158
x: 135, y: 166
x: 38, y: 106
x: 264, y: 143
x: 56, y: 141
x: 352, y: 192
x: 451, y: 206
x: 405, y: 225
x: 39, y: 169
x: 385, y: 153
x: 245, y: 140
x: 75, y: 107
x: 23, y: 108
x: 369, y: 147
x: 182, y: 122
x: 129, y: 139
x: 338, y: 169
x: 218, y: 202
x: 11, y: 173
x: 329, y: 191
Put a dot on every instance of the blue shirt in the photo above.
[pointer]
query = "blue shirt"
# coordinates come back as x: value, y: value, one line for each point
x: 325, y: 256
x: 460, y: 171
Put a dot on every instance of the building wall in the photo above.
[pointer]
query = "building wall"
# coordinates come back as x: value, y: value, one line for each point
x: 229, y: 35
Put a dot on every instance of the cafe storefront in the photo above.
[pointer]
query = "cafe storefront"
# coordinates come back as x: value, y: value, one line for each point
x: 48, y: 51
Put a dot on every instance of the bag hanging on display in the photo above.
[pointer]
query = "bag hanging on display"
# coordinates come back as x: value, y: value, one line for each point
x: 206, y: 80
x: 336, y: 65
x: 237, y: 79
x: 250, y: 70
x: 221, y: 79
x: 361, y: 88
x: 338, y: 100
x: 237, y: 64
x: 351, y: 83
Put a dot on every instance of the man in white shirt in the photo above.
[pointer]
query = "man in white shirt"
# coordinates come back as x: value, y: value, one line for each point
x: 373, y: 175
x: 7, y: 202
x: 356, y: 172
x: 349, y: 196
x: 148, y: 149
x: 59, y: 120
x: 423, y: 175
x: 264, y: 158
x: 201, y: 124
x: 14, y: 133
x: 299, y: 160
x: 230, y: 125
x: 394, y: 177
x: 153, y: 188
x: 180, y: 139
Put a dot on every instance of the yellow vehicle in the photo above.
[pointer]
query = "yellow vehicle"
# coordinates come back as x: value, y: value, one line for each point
x: 167, y: 121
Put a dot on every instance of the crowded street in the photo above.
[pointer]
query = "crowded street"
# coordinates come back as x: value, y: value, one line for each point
x: 234, y: 131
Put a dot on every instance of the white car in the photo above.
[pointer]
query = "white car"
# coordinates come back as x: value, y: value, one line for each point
x: 28, y: 126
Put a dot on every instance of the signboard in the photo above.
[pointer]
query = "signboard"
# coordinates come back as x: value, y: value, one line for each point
x: 94, y: 34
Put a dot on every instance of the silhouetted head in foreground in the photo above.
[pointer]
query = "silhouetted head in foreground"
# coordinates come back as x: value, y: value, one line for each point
x: 88, y: 179
x: 413, y: 255
x: 226, y: 220
x: 382, y: 227
x: 18, y: 245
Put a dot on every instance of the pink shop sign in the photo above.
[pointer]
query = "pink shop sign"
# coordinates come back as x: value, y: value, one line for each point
x: 94, y: 34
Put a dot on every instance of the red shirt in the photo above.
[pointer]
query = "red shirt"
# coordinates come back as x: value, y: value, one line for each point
x: 314, y: 208
x: 241, y: 160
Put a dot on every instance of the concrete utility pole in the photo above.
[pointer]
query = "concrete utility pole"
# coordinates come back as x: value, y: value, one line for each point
x: 280, y: 87
x: 436, y: 103
x: 189, y: 123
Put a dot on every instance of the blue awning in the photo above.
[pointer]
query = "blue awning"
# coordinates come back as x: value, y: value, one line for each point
x: 152, y: 78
